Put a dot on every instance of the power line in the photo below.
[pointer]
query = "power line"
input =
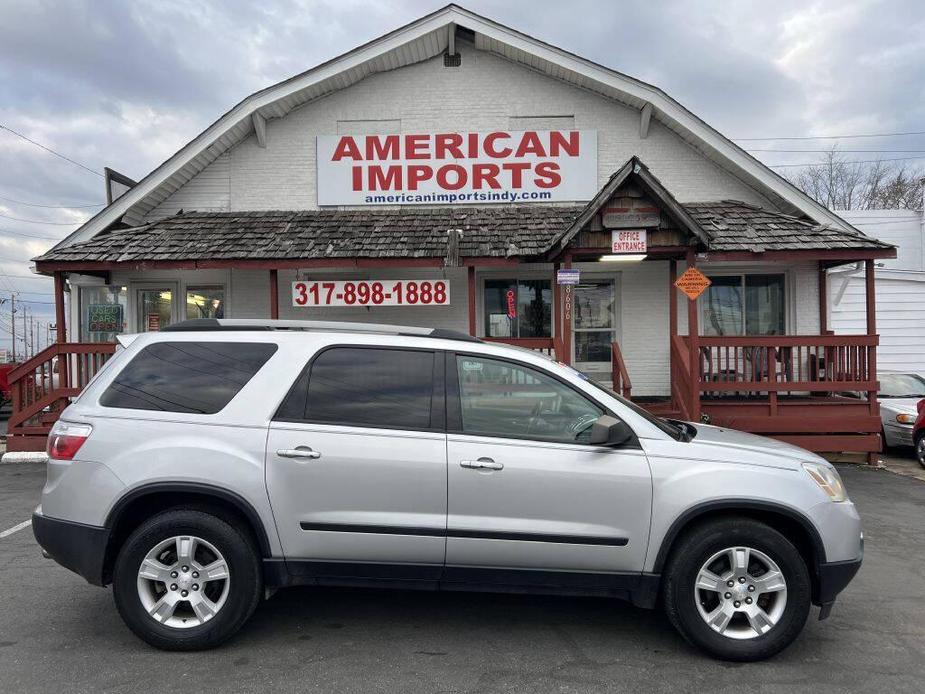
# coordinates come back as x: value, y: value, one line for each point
x: 823, y: 137
x: 860, y: 223
x: 55, y: 207
x: 844, y: 151
x: 31, y: 236
x: 17, y: 293
x: 51, y: 151
x: 857, y: 161
x: 38, y: 221
x: 25, y: 277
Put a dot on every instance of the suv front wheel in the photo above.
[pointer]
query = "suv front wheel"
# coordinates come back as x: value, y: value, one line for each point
x: 738, y: 589
x: 187, y: 580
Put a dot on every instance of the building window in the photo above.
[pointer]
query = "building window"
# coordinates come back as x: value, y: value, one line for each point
x: 102, y: 313
x: 518, y: 308
x: 744, y: 305
x: 205, y: 302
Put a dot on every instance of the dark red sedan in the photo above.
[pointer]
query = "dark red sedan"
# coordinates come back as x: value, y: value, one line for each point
x: 918, y: 434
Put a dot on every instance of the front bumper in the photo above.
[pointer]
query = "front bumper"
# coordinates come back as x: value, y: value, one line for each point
x: 834, y: 577
x: 75, y: 546
x: 898, y: 434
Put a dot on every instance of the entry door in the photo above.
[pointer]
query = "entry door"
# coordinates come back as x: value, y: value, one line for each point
x: 594, y: 324
x: 356, y: 465
x: 154, y: 307
x: 525, y: 492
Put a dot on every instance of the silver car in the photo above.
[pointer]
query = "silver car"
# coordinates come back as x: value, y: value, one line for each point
x: 217, y: 460
x: 899, y: 395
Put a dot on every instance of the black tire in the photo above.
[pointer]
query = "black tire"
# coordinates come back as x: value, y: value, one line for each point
x: 680, y: 596
x: 920, y: 449
x: 244, y: 587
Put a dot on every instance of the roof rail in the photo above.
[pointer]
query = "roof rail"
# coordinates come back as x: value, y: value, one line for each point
x: 214, y: 324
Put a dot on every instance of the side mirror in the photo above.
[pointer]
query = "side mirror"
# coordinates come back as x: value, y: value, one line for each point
x: 610, y: 431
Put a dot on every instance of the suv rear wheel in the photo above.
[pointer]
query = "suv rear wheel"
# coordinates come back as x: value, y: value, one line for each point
x: 187, y: 580
x: 738, y: 589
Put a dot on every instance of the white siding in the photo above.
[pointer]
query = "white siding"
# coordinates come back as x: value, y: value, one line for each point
x: 900, y: 290
x: 486, y: 93
x: 905, y: 229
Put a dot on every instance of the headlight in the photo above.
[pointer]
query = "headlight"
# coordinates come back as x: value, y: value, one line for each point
x: 827, y: 479
x: 905, y: 418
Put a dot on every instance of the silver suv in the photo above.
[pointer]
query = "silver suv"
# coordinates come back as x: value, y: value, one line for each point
x: 217, y: 460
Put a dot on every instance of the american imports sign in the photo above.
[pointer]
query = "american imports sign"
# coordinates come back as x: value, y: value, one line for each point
x: 501, y: 167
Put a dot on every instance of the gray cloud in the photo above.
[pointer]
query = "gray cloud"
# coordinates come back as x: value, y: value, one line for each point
x: 125, y: 84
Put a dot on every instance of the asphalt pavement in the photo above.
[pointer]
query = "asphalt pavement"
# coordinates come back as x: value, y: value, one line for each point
x: 58, y: 634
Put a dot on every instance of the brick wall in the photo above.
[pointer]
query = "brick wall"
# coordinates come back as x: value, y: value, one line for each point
x: 486, y: 92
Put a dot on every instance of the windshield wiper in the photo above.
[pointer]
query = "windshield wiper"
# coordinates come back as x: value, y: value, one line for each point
x: 684, y: 429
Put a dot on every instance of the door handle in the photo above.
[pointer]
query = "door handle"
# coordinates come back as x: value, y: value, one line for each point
x: 482, y: 464
x: 301, y: 452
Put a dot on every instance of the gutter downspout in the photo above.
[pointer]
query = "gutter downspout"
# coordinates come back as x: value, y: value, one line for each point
x: 847, y: 274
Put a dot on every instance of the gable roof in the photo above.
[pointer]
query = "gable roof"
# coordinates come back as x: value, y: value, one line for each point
x: 633, y: 170
x: 418, y: 41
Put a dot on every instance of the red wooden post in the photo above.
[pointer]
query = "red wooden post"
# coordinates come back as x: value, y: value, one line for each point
x: 693, y: 333
x: 61, y: 332
x: 672, y: 298
x: 274, y: 294
x: 567, y: 299
x: 872, y: 458
x: 472, y: 301
x: 672, y: 326
x: 557, y: 311
x: 823, y: 301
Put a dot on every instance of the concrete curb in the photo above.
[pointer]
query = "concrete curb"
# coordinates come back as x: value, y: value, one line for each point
x: 23, y: 457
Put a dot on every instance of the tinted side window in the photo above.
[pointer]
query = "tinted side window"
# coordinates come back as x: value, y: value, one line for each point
x: 194, y: 377
x: 498, y: 398
x: 369, y: 387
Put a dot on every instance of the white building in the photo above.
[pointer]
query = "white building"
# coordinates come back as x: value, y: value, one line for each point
x: 900, y: 289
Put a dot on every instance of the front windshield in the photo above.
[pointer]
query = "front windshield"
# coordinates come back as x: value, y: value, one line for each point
x: 902, y: 386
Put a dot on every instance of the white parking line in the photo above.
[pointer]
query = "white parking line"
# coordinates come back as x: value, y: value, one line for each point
x: 15, y: 528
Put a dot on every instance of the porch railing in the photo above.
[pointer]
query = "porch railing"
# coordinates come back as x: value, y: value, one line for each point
x: 41, y: 388
x: 546, y: 345
x: 680, y: 377
x: 791, y: 363
x: 619, y: 374
x: 817, y: 391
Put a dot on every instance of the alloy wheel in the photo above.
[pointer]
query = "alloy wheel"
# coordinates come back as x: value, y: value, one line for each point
x: 183, y: 582
x: 741, y: 593
x: 920, y: 450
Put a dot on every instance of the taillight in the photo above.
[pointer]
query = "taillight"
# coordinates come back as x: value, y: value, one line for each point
x: 66, y: 438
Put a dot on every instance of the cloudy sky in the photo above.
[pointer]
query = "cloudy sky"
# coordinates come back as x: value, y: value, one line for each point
x: 125, y: 83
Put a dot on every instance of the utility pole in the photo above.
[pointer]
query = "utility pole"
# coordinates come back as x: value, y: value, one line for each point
x: 25, y: 334
x: 13, y: 322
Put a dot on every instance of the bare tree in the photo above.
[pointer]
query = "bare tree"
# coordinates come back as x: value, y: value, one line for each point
x: 841, y: 184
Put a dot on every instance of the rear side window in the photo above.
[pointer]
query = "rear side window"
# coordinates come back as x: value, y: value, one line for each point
x: 193, y: 377
x: 373, y: 387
